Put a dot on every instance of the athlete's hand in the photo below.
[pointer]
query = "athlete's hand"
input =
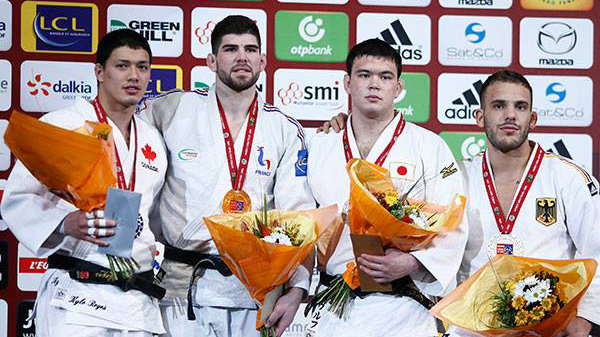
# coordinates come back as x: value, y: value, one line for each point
x: 578, y: 327
x: 285, y: 310
x: 337, y: 123
x: 393, y: 265
x: 89, y: 226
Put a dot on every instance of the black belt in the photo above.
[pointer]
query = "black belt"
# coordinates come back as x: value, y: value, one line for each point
x: 400, y: 287
x: 192, y: 258
x: 87, y: 272
x: 198, y: 261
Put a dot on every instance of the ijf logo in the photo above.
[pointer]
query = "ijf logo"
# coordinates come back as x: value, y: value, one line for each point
x: 162, y: 26
x: 5, y: 85
x: 475, y: 41
x: 561, y: 43
x: 318, y: 36
x: 30, y: 269
x: 62, y: 27
x: 263, y: 163
x: 296, y: 92
x: 5, y: 25
x: 162, y: 79
x: 458, y: 97
x: 48, y: 85
x: 409, y: 34
x: 150, y: 155
x: 204, y: 20
x: 558, y: 103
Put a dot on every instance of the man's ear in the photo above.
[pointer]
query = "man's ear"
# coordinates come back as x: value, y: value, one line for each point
x: 479, y: 118
x: 211, y: 62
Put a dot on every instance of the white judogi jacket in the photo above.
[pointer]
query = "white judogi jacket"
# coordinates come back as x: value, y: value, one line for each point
x: 34, y: 215
x: 420, y: 152
x: 198, y: 178
x: 575, y: 234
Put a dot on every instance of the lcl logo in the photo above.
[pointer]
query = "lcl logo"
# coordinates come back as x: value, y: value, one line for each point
x: 556, y: 38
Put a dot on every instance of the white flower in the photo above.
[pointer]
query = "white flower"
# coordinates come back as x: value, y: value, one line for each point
x: 543, y: 288
x: 530, y: 281
x: 533, y: 295
x: 278, y: 237
x: 417, y: 219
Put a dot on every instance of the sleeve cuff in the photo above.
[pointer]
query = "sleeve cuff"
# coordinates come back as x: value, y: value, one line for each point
x: 300, y: 279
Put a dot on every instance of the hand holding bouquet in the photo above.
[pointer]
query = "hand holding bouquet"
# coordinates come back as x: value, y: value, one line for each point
x: 518, y: 296
x: 264, y: 249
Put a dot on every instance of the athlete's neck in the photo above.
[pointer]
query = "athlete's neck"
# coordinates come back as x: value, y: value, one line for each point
x: 235, y: 103
x: 509, y: 165
x: 367, y: 128
x: 118, y: 113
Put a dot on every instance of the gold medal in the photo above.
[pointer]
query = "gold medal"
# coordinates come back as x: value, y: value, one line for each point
x: 236, y: 201
x: 505, y: 244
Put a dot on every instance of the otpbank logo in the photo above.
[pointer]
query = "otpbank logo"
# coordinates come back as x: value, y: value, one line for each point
x: 413, y: 101
x: 59, y: 27
x: 311, y: 36
x: 164, y: 78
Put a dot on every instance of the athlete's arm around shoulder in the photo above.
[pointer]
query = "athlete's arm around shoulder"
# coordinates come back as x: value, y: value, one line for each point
x: 161, y: 110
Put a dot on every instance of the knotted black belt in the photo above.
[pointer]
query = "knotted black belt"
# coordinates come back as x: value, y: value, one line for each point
x: 87, y: 272
x: 196, y: 260
x: 400, y: 287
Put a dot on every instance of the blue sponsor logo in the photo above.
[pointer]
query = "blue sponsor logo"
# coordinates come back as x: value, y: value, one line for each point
x: 302, y: 163
x: 556, y: 92
x: 161, y: 80
x: 475, y: 32
x: 63, y: 28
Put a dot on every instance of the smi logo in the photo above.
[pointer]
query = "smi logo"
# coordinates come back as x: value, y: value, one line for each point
x: 203, y: 32
x: 37, y: 86
x: 556, y: 93
x: 294, y: 93
x: 475, y: 33
x: 407, y: 53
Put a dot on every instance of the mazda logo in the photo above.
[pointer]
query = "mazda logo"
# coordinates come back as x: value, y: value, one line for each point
x: 556, y: 38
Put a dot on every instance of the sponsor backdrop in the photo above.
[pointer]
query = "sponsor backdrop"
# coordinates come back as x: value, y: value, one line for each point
x: 448, y: 47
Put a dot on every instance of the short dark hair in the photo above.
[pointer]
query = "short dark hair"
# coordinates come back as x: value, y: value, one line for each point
x: 233, y: 24
x: 373, y: 47
x: 505, y: 75
x: 120, y: 38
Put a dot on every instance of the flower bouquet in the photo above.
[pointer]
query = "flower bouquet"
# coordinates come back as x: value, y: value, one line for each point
x: 398, y: 220
x: 518, y: 296
x: 75, y: 165
x: 264, y: 249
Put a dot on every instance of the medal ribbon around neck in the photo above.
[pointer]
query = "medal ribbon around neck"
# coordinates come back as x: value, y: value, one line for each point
x: 505, y: 225
x: 386, y: 151
x: 238, y: 173
x: 102, y: 118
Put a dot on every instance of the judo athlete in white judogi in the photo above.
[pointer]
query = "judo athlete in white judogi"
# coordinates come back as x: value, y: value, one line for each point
x: 379, y: 134
x: 547, y: 205
x: 200, y: 176
x: 49, y: 226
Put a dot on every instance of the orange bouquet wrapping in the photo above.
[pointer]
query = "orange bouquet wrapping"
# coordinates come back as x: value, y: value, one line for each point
x: 368, y: 216
x: 76, y: 165
x: 473, y: 305
x: 260, y: 265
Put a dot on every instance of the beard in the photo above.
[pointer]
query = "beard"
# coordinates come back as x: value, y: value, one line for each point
x: 237, y: 85
x: 505, y: 145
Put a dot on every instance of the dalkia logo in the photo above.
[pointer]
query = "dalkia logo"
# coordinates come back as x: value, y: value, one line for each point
x: 464, y: 106
x: 150, y: 155
x: 318, y: 36
x: 402, y: 42
x: 38, y: 86
x: 263, y: 162
x: 151, y: 30
x: 59, y: 27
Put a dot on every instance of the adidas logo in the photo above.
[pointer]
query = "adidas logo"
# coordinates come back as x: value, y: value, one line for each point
x: 402, y: 40
x: 466, y: 101
x: 561, y: 149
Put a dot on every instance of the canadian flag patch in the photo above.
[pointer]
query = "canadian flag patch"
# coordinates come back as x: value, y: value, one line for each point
x: 403, y: 171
